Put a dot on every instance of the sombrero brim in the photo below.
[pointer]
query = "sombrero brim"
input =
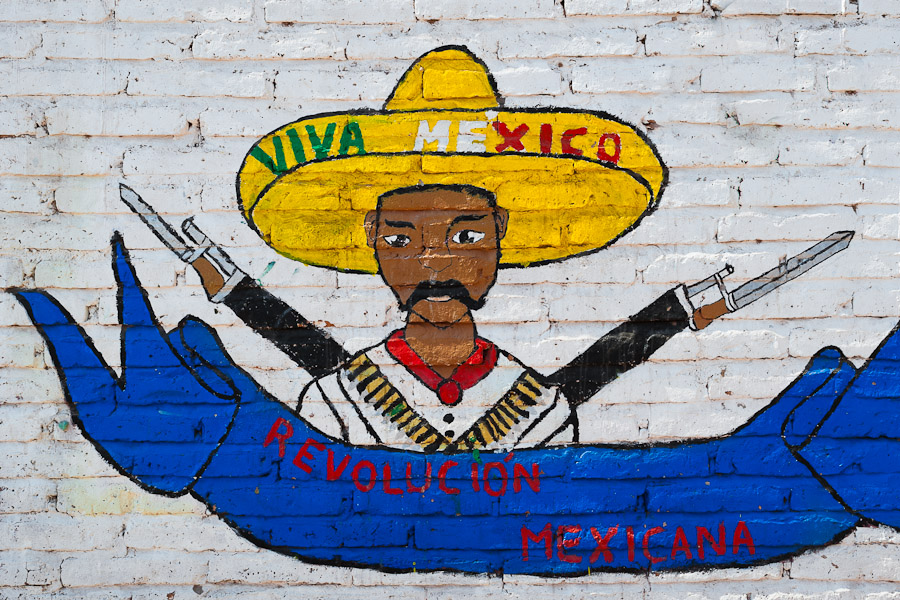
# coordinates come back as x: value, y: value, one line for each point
x: 559, y: 204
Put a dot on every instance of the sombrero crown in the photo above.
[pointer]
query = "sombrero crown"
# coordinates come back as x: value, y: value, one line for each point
x: 573, y: 181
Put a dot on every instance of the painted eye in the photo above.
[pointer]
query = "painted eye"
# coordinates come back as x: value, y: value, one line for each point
x: 397, y: 240
x: 467, y: 236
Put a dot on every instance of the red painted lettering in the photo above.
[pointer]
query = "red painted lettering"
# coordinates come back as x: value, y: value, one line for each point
x: 602, y: 153
x: 501, y: 468
x: 281, y: 437
x: 562, y: 543
x: 545, y: 535
x: 603, y: 544
x: 646, y: 545
x: 413, y: 489
x: 303, y: 452
x: 442, y: 476
x: 629, y: 536
x: 520, y: 473
x: 681, y: 544
x: 742, y: 536
x: 567, y: 137
x: 364, y: 464
x: 475, y: 486
x: 546, y: 138
x: 386, y: 482
x: 703, y: 533
x: 331, y: 474
x: 510, y: 140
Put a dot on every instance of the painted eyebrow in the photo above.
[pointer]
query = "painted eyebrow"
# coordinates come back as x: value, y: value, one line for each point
x: 399, y: 224
x: 467, y: 218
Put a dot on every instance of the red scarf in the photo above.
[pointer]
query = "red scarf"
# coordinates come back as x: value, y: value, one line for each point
x: 449, y: 390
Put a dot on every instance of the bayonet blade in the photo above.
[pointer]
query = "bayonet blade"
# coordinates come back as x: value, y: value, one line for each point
x: 160, y: 228
x: 790, y: 269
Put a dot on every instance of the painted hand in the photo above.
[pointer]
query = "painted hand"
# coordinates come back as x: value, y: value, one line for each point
x: 166, y: 396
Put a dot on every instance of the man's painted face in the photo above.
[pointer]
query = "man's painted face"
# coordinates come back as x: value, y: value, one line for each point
x: 438, y: 250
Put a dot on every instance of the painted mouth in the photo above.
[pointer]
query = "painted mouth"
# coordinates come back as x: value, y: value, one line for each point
x: 440, y: 291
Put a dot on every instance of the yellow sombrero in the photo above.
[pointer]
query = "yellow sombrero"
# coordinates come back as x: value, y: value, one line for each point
x: 573, y: 181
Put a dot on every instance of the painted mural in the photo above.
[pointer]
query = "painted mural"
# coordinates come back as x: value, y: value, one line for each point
x: 435, y: 449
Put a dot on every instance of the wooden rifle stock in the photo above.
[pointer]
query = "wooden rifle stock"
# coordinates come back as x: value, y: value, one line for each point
x: 705, y: 315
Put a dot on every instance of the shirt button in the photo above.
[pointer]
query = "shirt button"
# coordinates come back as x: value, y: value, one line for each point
x: 449, y: 434
x: 448, y: 418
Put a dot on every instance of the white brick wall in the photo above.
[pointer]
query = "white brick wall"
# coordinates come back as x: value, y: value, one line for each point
x: 778, y: 119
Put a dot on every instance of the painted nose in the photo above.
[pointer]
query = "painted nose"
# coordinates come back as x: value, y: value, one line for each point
x: 436, y: 259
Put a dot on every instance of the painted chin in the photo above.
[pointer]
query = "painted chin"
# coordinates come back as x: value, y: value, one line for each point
x: 440, y: 309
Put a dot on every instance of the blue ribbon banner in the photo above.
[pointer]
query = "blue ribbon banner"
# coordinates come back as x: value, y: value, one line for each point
x: 181, y: 418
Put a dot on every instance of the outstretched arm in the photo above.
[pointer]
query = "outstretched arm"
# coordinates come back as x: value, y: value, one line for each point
x: 626, y: 346
x: 272, y: 318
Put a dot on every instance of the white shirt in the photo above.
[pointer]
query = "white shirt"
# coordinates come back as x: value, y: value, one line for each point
x: 373, y: 399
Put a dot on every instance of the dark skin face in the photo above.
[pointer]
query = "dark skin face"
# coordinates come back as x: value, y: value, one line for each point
x: 438, y: 251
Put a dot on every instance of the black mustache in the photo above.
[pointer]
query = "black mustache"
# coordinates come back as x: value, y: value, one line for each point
x: 432, y: 289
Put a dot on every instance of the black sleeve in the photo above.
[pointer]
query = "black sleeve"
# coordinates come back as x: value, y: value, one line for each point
x: 270, y: 317
x: 626, y: 346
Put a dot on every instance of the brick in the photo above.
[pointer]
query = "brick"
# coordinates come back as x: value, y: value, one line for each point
x: 580, y: 39
x: 195, y: 534
x: 410, y: 41
x: 189, y: 10
x: 134, y: 42
x: 252, y: 120
x: 878, y: 7
x: 55, y: 156
x: 20, y: 42
x: 614, y: 423
x: 340, y: 11
x: 304, y: 42
x: 702, y: 192
x: 716, y: 37
x: 785, y: 225
x: 820, y: 148
x: 528, y: 81
x: 198, y: 82
x: 84, y: 11
x: 636, y: 7
x: 116, y: 496
x: 24, y: 422
x: 757, y: 74
x: 171, y: 568
x: 643, y: 75
x: 842, y: 563
x: 856, y: 337
x: 837, y: 112
x: 267, y: 568
x: 880, y: 222
x: 774, y: 7
x: 29, y: 385
x: 877, y: 300
x: 882, y: 153
x: 82, y: 78
x: 799, y: 187
x: 856, y: 38
x: 356, y: 84
x: 485, y: 9
x: 154, y: 158
x: 12, y: 568
x: 49, y: 531
x: 870, y: 74
x: 137, y: 118
x: 697, y: 145
x: 26, y: 495
x: 25, y: 195
x: 53, y: 460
